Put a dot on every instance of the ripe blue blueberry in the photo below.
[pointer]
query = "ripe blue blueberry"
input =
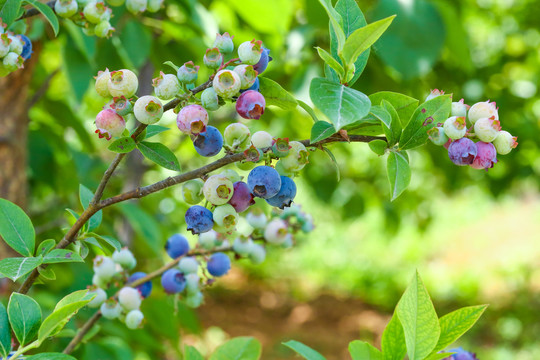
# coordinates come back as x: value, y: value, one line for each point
x: 219, y: 264
x: 263, y: 61
x: 242, y: 198
x: 145, y: 288
x: 264, y: 182
x: 286, y: 193
x: 250, y: 105
x: 462, y: 152
x: 177, y: 245
x: 27, y: 47
x: 199, y: 219
x: 173, y: 281
x: 461, y: 354
x: 209, y: 142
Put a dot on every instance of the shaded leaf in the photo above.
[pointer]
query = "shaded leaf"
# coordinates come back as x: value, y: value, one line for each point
x: 399, y: 173
x: 9, y: 11
x: 159, y: 154
x: 86, y: 196
x: 321, y: 130
x: 274, y: 94
x: 24, y: 316
x: 378, y: 146
x: 16, y: 228
x: 5, y: 332
x: 47, y: 12
x: 61, y: 256
x: 305, y: 351
x: 190, y: 353
x: 46, y: 246
x: 123, y: 145
x: 240, y: 348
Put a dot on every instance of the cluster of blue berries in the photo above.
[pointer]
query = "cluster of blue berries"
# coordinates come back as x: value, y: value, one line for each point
x: 460, y: 354
x: 483, y: 118
x: 14, y: 50
x: 94, y: 16
x: 111, y: 274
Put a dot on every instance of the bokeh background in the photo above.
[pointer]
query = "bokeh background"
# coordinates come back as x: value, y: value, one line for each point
x: 473, y: 235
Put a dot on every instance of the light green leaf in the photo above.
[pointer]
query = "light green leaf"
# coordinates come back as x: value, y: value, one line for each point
x: 190, y: 353
x: 74, y: 297
x: 392, y: 130
x: 15, y: 268
x: 360, y: 350
x: 336, y: 21
x: 403, y: 104
x: 9, y: 11
x: 170, y: 63
x: 61, y: 256
x: 457, y: 323
x: 275, y: 95
x: 361, y: 39
x: 117, y: 245
x: 399, y: 173
x: 46, y: 273
x: 305, y: 351
x: 16, y: 228
x: 159, y: 154
x: 393, y: 340
x: 439, y: 356
x: 153, y: 130
x: 86, y: 196
x: 342, y: 105
x: 378, y: 146
x: 419, y: 320
x: 45, y: 246
x: 5, y: 332
x: 425, y: 117
x: 321, y: 130
x: 123, y: 145
x: 24, y: 316
x: 333, y: 63
x: 240, y: 348
x: 51, y: 356
x: 47, y: 12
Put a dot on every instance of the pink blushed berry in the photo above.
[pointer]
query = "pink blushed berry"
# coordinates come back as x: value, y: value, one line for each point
x: 486, y: 156
x: 192, y: 119
x: 109, y: 124
x: 250, y: 105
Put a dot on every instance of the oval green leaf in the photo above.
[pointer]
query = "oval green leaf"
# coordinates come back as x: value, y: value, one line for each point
x: 16, y: 228
x: 303, y: 350
x: 275, y: 95
x: 240, y: 348
x: 123, y: 145
x: 24, y: 316
x: 159, y: 154
x: 5, y: 332
x: 399, y: 173
x: 15, y: 268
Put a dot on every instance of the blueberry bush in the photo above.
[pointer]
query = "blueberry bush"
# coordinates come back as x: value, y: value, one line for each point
x: 241, y: 204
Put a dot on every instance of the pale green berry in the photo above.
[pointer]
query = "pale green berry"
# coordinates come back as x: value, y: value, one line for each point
x: 455, y: 127
x: 192, y: 283
x: 225, y: 216
x: 134, y: 319
x: 437, y: 136
x: 262, y: 140
x: 224, y: 43
x: 194, y: 300
x: 247, y: 74
x: 110, y: 309
x: 276, y: 231
x: 192, y: 191
x: 103, y: 29
x: 154, y: 5
x: 12, y: 61
x: 242, y: 247
x: 95, y: 12
x: 66, y: 8
x: 136, y: 6
x: 209, y: 99
x: 123, y: 83
x: 484, y: 109
x: 282, y: 171
x: 505, y: 142
x: 208, y: 239
x: 129, y: 298
x: 148, y: 109
x: 218, y: 189
x: 237, y: 137
x: 459, y: 108
x: 100, y: 281
x: 188, y: 265
x: 100, y: 297
x: 213, y: 58
x: 124, y: 258
x: 166, y: 86
x: 257, y: 254
x: 104, y: 267
x: 227, y: 83
x: 16, y: 45
x: 297, y: 157
x: 231, y: 175
x: 257, y: 219
x: 487, y: 129
x: 188, y: 73
x: 102, y: 81
x: 250, y: 52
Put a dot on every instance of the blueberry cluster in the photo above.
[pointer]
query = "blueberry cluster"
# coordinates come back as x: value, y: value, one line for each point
x: 94, y: 16
x: 485, y: 127
x: 14, y: 50
x: 111, y: 274
x: 460, y: 354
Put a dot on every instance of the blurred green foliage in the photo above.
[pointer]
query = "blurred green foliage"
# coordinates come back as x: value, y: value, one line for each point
x: 472, y: 234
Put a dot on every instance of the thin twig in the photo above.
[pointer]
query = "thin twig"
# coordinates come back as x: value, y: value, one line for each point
x: 82, y: 332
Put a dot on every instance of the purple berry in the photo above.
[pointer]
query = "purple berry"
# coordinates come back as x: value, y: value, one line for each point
x: 173, y: 281
x: 27, y: 47
x: 486, y: 156
x: 264, y: 182
x: 286, y: 193
x: 177, y: 245
x: 208, y: 143
x: 250, y: 105
x: 462, y: 152
x: 145, y: 288
x: 242, y: 198
x: 199, y: 219
x: 219, y: 264
x: 255, y: 87
x: 461, y: 354
x: 263, y: 62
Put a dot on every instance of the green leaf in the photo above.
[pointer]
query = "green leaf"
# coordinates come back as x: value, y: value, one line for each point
x: 51, y: 356
x: 46, y: 246
x: 342, y: 105
x: 61, y: 256
x: 86, y: 196
x: 275, y: 95
x: 24, y: 316
x: 419, y: 320
x: 321, y: 130
x: 393, y: 340
x: 190, y: 353
x: 399, y: 173
x: 77, y: 68
x: 361, y: 39
x: 308, y: 109
x: 392, y: 130
x: 457, y: 323
x: 403, y: 104
x: 15, y: 268
x: 159, y: 154
x: 240, y: 348
x: 9, y: 11
x: 153, y: 130
x: 122, y: 145
x: 353, y: 19
x: 47, y: 12
x: 16, y: 228
x: 5, y: 332
x: 46, y: 273
x: 425, y: 117
x: 305, y: 351
x: 136, y: 42
x: 378, y: 146
x: 333, y: 63
x: 336, y: 21
x: 170, y: 63
x: 360, y: 350
x: 439, y: 356
x: 334, y: 161
x: 117, y: 245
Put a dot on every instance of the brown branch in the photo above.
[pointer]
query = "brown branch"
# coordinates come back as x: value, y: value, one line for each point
x: 82, y: 332
x: 33, y: 11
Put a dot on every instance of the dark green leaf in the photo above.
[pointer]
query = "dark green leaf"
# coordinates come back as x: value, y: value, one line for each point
x: 5, y: 332
x: 51, y: 356
x: 47, y: 12
x: 336, y: 23
x: 399, y: 173
x: 457, y: 323
x: 274, y: 94
x: 117, y: 245
x: 122, y: 145
x: 393, y: 340
x: 342, y: 105
x: 305, y: 351
x: 15, y: 268
x: 61, y: 256
x: 9, y: 11
x: 378, y: 146
x: 86, y: 196
x: 321, y: 130
x: 46, y: 273
x: 78, y: 70
x: 16, y: 228
x: 24, y: 316
x: 159, y: 154
x: 240, y: 348
x: 136, y: 41
x: 361, y: 350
